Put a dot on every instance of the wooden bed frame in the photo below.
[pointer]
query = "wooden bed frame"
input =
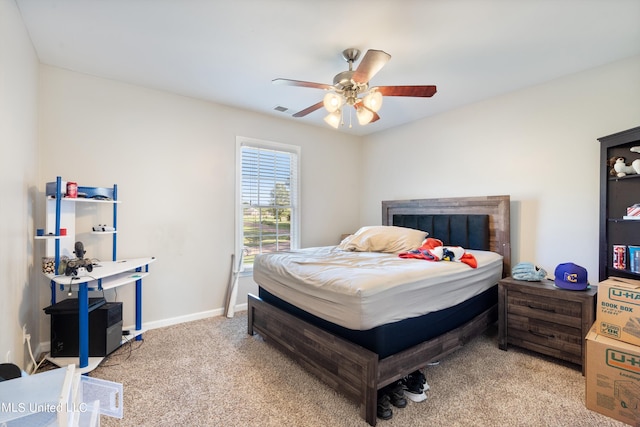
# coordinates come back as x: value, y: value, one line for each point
x: 354, y: 371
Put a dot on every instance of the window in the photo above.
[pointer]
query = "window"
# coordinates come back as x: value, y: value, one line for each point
x: 267, y: 198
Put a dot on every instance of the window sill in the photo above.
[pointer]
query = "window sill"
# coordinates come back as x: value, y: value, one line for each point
x: 247, y: 272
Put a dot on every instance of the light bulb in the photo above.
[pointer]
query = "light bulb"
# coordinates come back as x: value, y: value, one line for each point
x: 332, y: 102
x: 373, y: 101
x: 364, y: 115
x: 333, y: 119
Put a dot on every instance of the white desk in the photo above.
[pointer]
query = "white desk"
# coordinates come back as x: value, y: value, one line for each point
x: 105, y: 275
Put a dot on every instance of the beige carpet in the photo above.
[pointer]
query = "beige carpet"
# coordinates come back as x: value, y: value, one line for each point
x: 211, y: 373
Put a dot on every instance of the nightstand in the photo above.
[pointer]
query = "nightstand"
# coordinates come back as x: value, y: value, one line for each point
x: 540, y: 317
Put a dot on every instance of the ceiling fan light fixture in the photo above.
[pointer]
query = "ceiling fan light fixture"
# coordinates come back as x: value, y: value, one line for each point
x: 334, y: 118
x: 332, y: 102
x: 364, y: 115
x: 373, y: 101
x: 351, y: 88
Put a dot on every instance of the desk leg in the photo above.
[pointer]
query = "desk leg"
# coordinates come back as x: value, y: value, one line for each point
x: 53, y: 292
x: 138, y: 307
x: 83, y: 324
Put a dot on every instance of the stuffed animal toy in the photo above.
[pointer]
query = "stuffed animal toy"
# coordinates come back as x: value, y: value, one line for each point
x: 635, y: 164
x: 622, y: 169
x: 433, y: 250
x: 610, y: 163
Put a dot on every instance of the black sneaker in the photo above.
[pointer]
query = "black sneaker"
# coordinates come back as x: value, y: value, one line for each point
x: 395, y: 391
x: 413, y: 388
x: 384, y: 411
x: 423, y: 380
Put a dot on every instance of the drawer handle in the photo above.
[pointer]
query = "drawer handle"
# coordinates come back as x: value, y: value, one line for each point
x: 550, y: 310
x: 541, y: 335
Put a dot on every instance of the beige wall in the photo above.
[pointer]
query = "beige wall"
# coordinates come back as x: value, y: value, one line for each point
x: 18, y: 180
x: 539, y: 145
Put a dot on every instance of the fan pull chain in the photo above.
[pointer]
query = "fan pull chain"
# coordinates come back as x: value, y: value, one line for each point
x: 350, y: 125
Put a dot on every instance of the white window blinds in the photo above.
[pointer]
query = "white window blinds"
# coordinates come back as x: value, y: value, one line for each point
x: 269, y: 196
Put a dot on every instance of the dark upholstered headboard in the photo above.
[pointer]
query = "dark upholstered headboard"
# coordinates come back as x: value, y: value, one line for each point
x: 460, y: 215
x: 468, y: 231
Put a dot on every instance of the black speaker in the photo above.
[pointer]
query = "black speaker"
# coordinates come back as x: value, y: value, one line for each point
x: 105, y: 327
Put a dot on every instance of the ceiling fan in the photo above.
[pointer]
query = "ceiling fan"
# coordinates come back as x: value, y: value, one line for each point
x: 351, y: 88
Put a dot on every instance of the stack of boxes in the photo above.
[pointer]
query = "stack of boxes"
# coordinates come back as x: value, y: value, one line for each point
x: 613, y: 352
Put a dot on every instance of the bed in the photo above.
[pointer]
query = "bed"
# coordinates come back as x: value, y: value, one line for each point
x: 356, y: 353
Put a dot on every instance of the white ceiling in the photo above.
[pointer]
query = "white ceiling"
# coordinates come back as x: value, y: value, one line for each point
x: 228, y: 51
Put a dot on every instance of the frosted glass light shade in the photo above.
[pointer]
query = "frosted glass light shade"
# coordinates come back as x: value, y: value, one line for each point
x: 332, y: 102
x: 333, y: 119
x: 364, y: 115
x: 373, y: 101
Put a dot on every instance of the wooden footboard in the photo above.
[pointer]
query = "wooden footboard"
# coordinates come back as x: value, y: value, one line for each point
x: 348, y: 368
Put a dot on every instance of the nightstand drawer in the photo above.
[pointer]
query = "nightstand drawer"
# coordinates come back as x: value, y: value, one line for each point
x: 530, y: 333
x: 544, y: 308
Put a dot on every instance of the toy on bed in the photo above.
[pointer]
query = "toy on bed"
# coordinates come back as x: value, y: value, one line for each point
x: 434, y: 250
x: 620, y: 168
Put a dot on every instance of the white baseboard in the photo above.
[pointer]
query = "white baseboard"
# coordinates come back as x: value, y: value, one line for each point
x: 186, y: 318
x: 177, y: 320
x: 43, y: 347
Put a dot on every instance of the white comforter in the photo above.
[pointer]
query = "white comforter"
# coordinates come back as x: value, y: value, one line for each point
x: 362, y: 290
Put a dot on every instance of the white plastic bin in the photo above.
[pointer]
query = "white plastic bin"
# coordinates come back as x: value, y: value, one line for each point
x: 108, y: 393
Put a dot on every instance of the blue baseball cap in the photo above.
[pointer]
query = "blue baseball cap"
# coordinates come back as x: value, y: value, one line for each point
x: 571, y: 276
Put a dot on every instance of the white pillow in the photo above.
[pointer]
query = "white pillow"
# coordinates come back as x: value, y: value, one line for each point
x: 383, y: 238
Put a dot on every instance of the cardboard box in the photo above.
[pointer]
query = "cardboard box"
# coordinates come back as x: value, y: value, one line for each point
x: 618, y: 312
x: 613, y: 378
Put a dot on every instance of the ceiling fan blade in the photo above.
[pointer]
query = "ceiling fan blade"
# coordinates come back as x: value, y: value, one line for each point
x: 301, y: 83
x: 308, y: 110
x: 418, y: 91
x: 372, y: 62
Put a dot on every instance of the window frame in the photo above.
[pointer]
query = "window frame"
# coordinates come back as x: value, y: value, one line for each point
x: 242, y: 141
